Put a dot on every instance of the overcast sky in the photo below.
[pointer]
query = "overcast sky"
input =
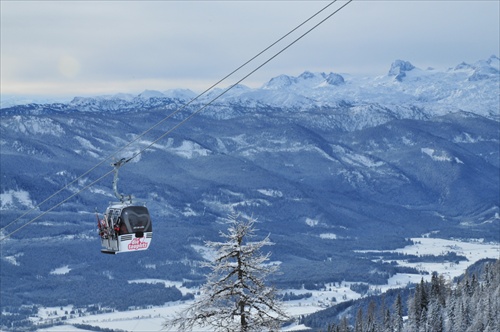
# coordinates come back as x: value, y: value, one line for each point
x: 79, y: 48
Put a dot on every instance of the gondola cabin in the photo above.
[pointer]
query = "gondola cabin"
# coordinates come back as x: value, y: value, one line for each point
x: 125, y: 228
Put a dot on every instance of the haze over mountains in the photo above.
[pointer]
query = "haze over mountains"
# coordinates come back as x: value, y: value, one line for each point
x: 327, y: 163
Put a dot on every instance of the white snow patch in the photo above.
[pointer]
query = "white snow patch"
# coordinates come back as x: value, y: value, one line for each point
x: 466, y: 138
x: 443, y: 156
x: 189, y: 212
x: 296, y: 327
x: 64, y: 173
x: 328, y: 236
x: 61, y: 270
x: 365, y: 161
x: 100, y: 191
x: 312, y: 222
x: 93, y: 154
x: 13, y: 259
x: 351, y: 176
x: 167, y: 283
x: 281, y: 146
x: 231, y: 202
x: 355, y: 159
x: 270, y: 192
x: 12, y: 198
x: 189, y: 150
x: 85, y: 143
x: 61, y: 328
x: 207, y: 253
x: 407, y: 141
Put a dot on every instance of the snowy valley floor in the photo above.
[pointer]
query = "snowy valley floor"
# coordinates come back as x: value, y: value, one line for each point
x: 153, y: 318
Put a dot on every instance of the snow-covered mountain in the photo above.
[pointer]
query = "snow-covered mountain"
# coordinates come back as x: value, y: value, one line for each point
x: 465, y: 87
x: 328, y: 163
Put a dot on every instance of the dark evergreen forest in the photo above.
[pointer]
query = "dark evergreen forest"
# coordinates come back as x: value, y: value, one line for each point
x: 471, y: 303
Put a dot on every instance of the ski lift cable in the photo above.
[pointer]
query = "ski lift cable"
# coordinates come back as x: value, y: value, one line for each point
x: 186, y: 119
x: 55, y: 206
x: 113, y: 154
x: 238, y: 82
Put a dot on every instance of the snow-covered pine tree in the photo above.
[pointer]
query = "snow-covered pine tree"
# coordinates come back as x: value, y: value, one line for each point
x: 235, y: 296
x: 371, y: 323
x: 434, y: 321
x: 387, y: 324
x: 358, y: 325
x: 397, y: 320
x: 413, y: 311
x: 344, y: 325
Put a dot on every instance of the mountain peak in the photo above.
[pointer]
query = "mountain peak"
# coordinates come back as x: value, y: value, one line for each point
x: 463, y: 66
x: 485, y: 69
x: 334, y: 79
x: 147, y: 94
x: 279, y: 82
x: 182, y: 94
x: 399, y: 69
x: 307, y: 75
x: 493, y: 61
x: 305, y: 80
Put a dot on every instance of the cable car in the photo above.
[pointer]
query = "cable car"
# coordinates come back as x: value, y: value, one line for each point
x: 126, y: 227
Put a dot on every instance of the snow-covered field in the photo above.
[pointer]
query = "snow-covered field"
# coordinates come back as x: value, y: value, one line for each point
x: 152, y: 319
x: 474, y: 250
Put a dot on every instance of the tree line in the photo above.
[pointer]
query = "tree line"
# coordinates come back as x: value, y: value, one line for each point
x: 471, y: 304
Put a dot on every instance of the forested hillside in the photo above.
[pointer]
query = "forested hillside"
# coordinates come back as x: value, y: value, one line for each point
x: 469, y: 304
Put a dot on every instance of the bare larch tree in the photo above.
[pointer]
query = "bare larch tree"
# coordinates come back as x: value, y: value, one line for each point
x: 235, y: 296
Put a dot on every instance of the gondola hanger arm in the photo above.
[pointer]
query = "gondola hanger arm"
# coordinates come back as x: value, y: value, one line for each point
x: 117, y: 166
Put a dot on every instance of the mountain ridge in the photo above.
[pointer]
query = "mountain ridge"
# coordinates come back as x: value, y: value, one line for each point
x: 464, y: 87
